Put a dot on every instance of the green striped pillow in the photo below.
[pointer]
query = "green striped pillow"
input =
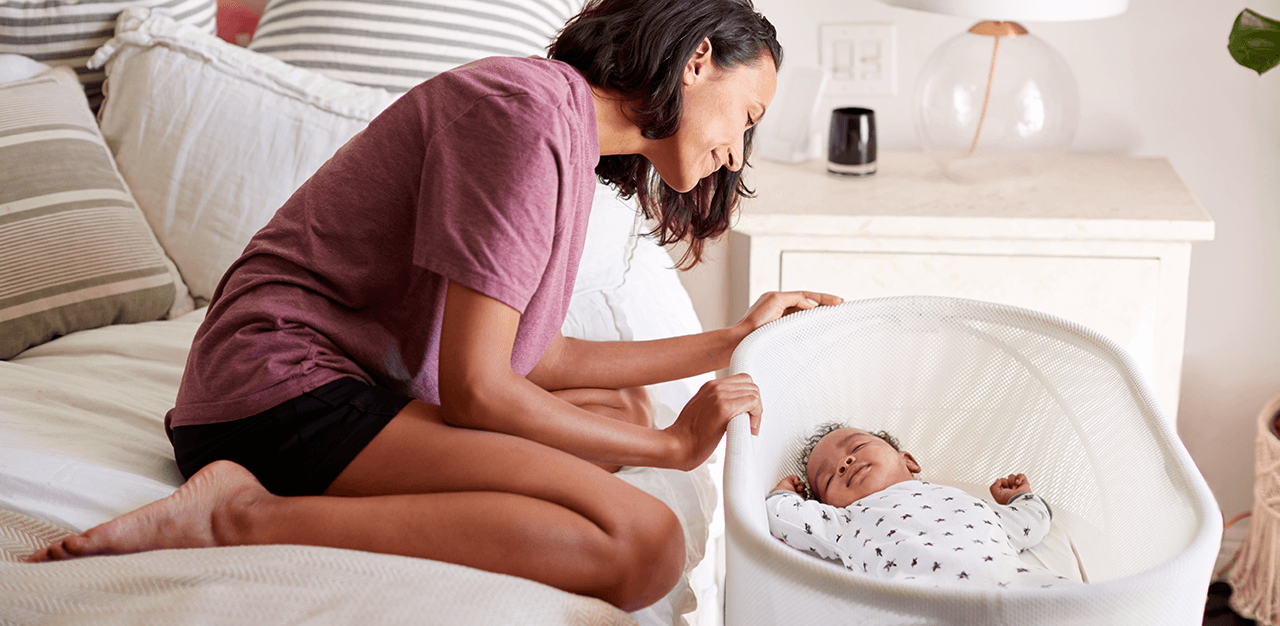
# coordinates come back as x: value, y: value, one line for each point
x: 396, y: 44
x: 75, y: 251
x: 66, y: 32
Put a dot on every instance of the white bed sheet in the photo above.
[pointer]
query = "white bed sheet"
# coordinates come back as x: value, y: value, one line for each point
x: 82, y: 441
x: 278, y: 584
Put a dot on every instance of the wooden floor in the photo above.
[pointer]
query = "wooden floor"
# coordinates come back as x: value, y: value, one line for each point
x: 1216, y: 610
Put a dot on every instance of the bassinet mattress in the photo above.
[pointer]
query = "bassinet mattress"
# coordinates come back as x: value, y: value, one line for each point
x: 82, y: 441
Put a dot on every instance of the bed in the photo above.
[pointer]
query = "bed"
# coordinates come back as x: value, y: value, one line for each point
x: 113, y: 232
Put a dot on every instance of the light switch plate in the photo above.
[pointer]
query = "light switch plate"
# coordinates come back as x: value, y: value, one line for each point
x: 860, y: 58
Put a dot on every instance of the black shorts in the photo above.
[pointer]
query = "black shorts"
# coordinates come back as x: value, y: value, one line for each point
x: 299, y: 447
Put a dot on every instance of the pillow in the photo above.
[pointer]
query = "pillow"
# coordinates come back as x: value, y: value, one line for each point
x: 213, y: 138
x: 15, y: 67
x: 397, y: 44
x: 66, y: 32
x: 628, y: 289
x: 74, y: 248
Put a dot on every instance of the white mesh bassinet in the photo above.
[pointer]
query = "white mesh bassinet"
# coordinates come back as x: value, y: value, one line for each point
x: 974, y: 390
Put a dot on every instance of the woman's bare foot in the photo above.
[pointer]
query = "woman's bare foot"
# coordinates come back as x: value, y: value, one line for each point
x: 202, y: 513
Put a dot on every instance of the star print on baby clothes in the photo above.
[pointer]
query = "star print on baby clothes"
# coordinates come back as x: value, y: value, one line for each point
x: 972, y: 542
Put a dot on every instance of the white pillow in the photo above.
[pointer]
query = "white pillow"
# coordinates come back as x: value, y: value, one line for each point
x: 15, y: 67
x: 628, y: 289
x: 213, y: 138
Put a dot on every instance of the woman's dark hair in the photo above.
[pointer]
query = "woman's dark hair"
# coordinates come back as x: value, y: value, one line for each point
x: 638, y: 48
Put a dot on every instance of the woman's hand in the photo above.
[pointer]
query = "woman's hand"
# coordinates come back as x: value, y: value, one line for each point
x: 1004, y: 489
x: 703, y: 420
x: 776, y: 304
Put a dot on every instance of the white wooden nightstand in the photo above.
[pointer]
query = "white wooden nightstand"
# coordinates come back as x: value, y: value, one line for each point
x: 1104, y: 241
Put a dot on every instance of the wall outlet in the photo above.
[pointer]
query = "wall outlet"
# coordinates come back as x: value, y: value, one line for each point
x: 861, y: 59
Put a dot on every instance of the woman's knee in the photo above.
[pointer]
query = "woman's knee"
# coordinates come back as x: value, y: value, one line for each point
x: 649, y: 558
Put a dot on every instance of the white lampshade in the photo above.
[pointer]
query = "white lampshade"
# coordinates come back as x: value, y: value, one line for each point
x: 1020, y: 10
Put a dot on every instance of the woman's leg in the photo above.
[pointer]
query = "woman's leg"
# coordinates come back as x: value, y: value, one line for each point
x: 426, y: 489
x: 629, y: 405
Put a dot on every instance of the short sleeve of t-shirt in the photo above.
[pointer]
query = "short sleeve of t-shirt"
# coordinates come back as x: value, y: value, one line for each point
x: 493, y: 195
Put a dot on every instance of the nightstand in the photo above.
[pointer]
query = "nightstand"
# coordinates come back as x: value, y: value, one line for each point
x: 1104, y: 241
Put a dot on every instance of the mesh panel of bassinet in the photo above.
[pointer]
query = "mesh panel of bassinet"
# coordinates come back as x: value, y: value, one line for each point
x: 973, y: 390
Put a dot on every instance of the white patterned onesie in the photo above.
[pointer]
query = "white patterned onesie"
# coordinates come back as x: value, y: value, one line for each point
x: 920, y: 531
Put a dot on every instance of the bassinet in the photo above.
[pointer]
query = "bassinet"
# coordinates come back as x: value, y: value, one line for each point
x: 974, y: 390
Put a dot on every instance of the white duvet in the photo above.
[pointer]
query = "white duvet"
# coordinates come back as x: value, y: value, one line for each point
x: 82, y: 441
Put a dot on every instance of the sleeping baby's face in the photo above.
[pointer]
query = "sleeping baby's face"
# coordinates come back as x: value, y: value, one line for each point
x: 849, y: 464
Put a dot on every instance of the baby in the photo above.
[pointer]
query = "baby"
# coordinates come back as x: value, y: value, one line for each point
x: 867, y: 510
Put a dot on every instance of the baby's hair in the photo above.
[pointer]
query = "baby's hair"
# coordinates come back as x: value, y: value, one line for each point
x: 826, y: 429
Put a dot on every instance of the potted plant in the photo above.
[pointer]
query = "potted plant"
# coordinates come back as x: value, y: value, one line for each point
x: 1255, y: 41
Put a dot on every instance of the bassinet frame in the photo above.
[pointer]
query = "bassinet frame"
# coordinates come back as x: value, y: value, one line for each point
x: 902, y: 358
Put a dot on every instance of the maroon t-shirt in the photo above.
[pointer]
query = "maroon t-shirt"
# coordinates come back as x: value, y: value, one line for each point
x: 482, y: 175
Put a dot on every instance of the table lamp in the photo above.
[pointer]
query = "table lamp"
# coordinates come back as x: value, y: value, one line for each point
x: 997, y: 102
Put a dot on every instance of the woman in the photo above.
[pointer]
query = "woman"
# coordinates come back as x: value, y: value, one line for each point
x: 382, y: 369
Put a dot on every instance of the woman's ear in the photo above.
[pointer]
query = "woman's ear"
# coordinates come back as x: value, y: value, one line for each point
x: 696, y: 68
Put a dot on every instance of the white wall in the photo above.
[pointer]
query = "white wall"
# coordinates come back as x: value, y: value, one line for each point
x: 1156, y: 81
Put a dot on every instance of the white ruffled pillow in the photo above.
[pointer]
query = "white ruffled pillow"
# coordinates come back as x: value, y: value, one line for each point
x: 213, y: 138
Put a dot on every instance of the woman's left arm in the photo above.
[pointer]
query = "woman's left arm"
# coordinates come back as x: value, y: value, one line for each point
x: 576, y: 363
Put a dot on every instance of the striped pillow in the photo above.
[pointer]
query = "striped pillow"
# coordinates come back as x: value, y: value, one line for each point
x: 396, y: 44
x: 66, y: 32
x: 75, y: 251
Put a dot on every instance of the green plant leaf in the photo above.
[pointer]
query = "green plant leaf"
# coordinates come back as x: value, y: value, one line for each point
x: 1255, y: 41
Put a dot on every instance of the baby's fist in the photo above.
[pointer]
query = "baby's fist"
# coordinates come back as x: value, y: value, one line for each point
x: 793, y: 484
x: 1004, y: 489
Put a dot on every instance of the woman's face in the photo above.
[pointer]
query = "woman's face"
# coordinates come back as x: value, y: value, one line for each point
x: 719, y: 106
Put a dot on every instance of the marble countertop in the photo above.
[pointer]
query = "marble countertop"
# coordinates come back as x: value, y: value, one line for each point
x: 1081, y: 197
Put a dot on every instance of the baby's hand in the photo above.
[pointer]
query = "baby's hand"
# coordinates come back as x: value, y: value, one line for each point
x: 1004, y: 489
x: 793, y: 484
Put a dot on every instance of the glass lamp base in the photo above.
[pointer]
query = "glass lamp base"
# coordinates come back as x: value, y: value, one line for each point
x: 980, y: 168
x: 995, y: 102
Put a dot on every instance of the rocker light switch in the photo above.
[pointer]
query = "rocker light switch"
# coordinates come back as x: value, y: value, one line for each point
x: 860, y: 58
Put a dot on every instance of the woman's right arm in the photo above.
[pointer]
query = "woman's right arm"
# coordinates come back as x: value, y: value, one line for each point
x: 478, y: 389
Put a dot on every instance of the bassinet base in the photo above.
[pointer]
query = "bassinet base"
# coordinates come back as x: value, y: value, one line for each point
x: 974, y: 390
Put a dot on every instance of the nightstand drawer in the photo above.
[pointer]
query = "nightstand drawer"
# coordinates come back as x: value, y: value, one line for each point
x: 1114, y: 296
